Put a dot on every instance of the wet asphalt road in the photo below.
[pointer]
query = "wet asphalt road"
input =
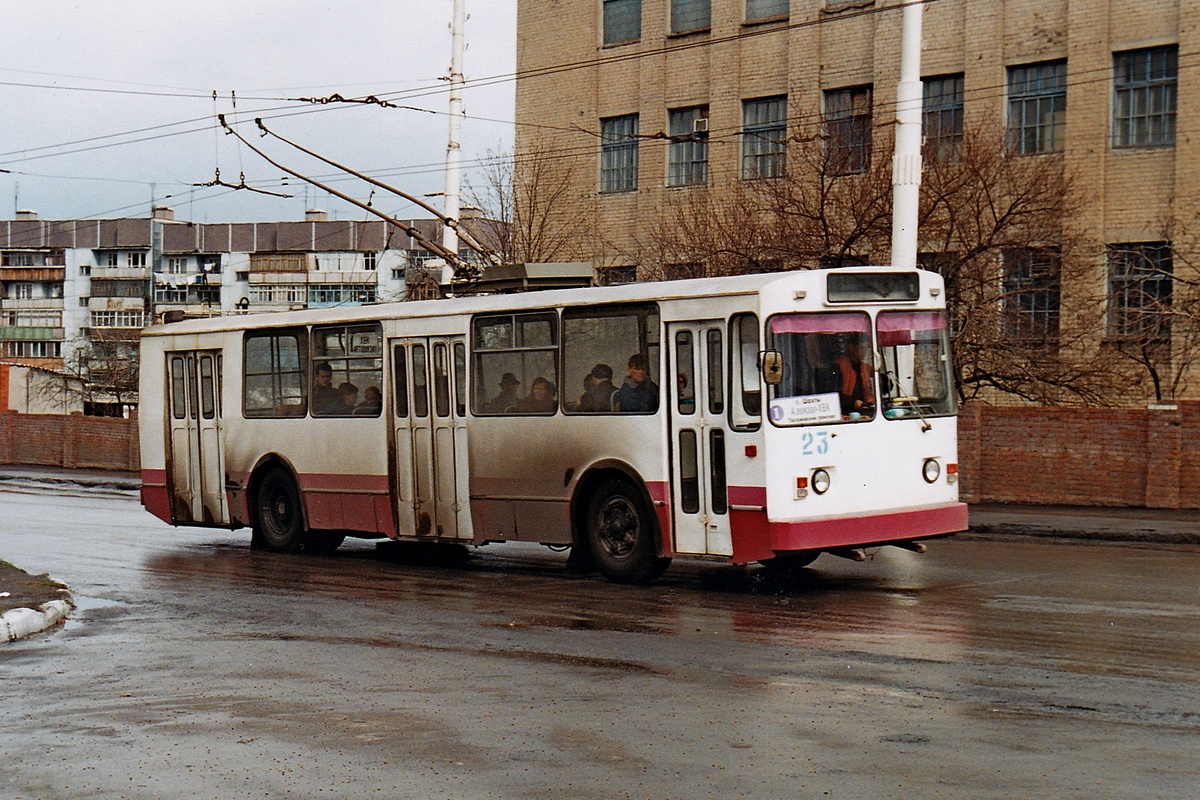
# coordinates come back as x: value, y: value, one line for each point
x: 982, y: 669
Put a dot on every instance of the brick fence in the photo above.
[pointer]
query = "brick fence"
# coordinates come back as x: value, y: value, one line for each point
x: 73, y: 441
x: 1086, y: 457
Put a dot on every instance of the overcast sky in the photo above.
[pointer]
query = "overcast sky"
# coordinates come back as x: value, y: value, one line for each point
x: 107, y: 103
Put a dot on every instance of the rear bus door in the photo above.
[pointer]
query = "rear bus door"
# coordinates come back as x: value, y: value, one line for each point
x: 698, y: 435
x: 197, y: 465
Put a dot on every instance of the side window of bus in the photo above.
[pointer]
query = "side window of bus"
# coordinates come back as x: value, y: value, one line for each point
x: 515, y: 368
x: 273, y: 381
x: 347, y: 371
x: 745, y: 391
x: 460, y: 379
x: 610, y: 356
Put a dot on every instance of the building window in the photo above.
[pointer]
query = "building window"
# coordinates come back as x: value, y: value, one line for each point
x: 17, y: 260
x: 690, y: 15
x: 177, y: 265
x: 370, y: 261
x: 118, y: 319
x: 943, y: 117
x: 35, y: 349
x: 1139, y: 290
x: 622, y: 21
x: 764, y: 137
x: 619, y: 153
x: 1145, y: 89
x: 22, y: 291
x: 279, y: 262
x: 1037, y: 107
x: 135, y: 259
x: 759, y: 10
x: 1031, y: 294
x: 687, y: 153
x: 617, y: 276
x: 848, y: 126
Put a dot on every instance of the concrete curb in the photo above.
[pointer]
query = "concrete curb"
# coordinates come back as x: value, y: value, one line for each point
x: 22, y: 622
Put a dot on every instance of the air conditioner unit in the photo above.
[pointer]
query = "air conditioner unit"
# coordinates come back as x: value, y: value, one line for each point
x: 700, y: 125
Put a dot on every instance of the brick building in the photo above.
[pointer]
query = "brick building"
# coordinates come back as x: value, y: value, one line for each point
x: 649, y: 101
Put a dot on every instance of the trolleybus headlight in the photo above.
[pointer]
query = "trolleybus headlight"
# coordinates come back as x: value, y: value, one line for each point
x: 931, y: 470
x: 820, y: 481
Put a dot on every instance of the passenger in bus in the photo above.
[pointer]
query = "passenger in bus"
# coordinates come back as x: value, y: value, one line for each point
x: 542, y: 398
x: 507, y: 397
x: 325, y: 398
x: 347, y: 398
x: 598, y: 396
x: 855, y: 389
x: 687, y: 398
x: 372, y: 403
x: 638, y: 394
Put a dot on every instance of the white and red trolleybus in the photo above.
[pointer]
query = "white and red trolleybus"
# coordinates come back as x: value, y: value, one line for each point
x: 753, y: 418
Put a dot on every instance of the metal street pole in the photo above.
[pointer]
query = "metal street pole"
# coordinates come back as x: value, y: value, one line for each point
x: 906, y: 163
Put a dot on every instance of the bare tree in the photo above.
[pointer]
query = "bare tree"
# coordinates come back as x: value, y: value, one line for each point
x: 533, y: 212
x: 104, y: 372
x: 997, y: 225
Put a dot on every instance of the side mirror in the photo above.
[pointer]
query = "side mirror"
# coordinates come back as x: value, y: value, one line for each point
x: 771, y: 363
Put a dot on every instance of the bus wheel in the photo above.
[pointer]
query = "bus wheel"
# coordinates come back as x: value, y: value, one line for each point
x: 323, y: 543
x: 621, y: 535
x: 787, y: 567
x: 278, y: 522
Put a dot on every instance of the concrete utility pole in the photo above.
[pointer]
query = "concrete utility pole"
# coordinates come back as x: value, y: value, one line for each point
x: 906, y: 163
x: 453, y: 147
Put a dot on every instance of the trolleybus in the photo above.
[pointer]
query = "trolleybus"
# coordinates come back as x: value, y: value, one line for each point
x: 748, y: 419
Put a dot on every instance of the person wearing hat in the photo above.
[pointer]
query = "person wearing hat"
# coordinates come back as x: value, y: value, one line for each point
x: 507, y: 397
x: 600, y: 390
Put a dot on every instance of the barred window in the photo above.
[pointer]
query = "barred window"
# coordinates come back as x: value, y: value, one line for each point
x: 1145, y: 86
x: 764, y: 137
x: 622, y: 21
x: 848, y: 125
x: 1139, y: 290
x: 687, y: 154
x: 1037, y: 107
x: 943, y: 116
x: 690, y: 15
x: 1032, y: 289
x: 619, y: 153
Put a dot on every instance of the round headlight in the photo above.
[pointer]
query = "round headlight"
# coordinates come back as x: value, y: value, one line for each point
x: 820, y: 481
x: 931, y: 469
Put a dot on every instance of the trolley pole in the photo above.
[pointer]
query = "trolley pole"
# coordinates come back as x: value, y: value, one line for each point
x: 906, y: 163
x: 453, y: 145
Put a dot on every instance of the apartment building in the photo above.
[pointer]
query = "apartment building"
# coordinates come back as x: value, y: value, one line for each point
x: 649, y: 102
x: 66, y: 285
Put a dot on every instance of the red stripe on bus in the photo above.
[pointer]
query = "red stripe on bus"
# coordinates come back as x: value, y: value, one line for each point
x: 333, y: 482
x: 756, y: 539
x: 747, y: 495
x: 660, y: 493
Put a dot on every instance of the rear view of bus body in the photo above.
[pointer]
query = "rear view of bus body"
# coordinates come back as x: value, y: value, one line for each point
x: 756, y: 418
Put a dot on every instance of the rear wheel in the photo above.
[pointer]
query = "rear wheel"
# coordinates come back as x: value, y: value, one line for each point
x: 622, y: 535
x: 278, y: 520
x: 790, y: 566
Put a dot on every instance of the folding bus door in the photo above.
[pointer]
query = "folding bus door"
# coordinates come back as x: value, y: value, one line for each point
x: 430, y: 481
x: 197, y: 459
x: 700, y: 503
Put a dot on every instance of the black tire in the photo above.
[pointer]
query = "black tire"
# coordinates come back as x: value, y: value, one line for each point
x: 323, y: 543
x: 789, y: 567
x: 621, y: 534
x: 278, y: 517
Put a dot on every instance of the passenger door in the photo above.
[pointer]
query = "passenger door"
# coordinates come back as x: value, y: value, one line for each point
x: 429, y: 415
x: 698, y: 434
x: 197, y: 465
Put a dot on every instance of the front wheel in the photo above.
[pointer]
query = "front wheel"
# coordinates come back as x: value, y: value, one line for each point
x: 278, y: 519
x: 622, y: 535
